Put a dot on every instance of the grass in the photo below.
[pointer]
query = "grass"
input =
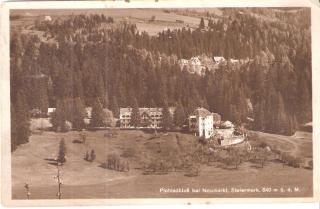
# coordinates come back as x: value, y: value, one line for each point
x: 139, y: 186
x: 299, y: 145
x: 82, y: 179
x: 140, y: 17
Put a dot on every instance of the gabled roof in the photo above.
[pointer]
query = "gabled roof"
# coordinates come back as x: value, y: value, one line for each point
x: 228, y: 124
x: 201, y: 112
x: 218, y: 59
x: 142, y: 110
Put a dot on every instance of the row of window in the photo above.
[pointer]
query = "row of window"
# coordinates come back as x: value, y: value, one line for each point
x: 155, y: 120
x: 151, y: 116
x: 128, y: 125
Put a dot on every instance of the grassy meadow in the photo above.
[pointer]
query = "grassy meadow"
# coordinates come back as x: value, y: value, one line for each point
x: 32, y: 164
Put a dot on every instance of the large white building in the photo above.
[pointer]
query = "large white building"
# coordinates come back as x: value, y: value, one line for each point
x: 201, y: 122
x: 194, y: 65
x: 150, y: 117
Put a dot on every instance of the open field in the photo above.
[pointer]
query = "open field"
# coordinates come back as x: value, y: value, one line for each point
x: 81, y: 179
x: 141, y: 17
x: 298, y: 145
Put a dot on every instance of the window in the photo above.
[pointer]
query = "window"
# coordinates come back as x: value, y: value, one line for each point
x: 193, y: 120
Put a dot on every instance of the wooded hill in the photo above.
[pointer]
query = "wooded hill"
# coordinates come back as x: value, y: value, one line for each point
x: 94, y: 58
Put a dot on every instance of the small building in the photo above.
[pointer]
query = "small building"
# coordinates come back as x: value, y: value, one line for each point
x: 227, y: 124
x: 47, y: 18
x: 51, y: 110
x: 193, y: 66
x: 183, y: 62
x: 234, y: 61
x: 231, y: 140
x: 195, y: 61
x: 216, y: 119
x: 219, y: 60
x: 35, y: 113
x: 228, y: 135
x: 88, y: 112
x: 201, y: 122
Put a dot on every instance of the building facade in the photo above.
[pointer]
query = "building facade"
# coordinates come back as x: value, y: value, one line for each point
x: 201, y: 122
x: 150, y: 117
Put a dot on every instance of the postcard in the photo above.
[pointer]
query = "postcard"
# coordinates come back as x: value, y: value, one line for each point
x: 142, y: 102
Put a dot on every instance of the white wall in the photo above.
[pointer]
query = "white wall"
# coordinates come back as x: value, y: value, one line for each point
x: 206, y: 124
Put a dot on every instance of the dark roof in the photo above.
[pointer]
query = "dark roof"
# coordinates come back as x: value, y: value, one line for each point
x: 202, y: 112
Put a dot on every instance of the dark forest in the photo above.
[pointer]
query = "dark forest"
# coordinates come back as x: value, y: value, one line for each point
x: 93, y: 58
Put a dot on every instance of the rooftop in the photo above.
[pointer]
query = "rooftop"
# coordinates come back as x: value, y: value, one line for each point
x: 202, y: 112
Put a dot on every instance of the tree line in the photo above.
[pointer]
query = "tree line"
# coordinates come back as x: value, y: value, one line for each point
x: 115, y: 64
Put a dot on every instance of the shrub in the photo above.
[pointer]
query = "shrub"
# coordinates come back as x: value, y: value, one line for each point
x: 86, y: 156
x: 295, y: 162
x: 193, y: 171
x: 277, y: 151
x: 291, y: 160
x: 263, y: 144
x: 262, y: 155
x: 221, y: 155
x: 113, y: 162
x: 92, y: 155
x: 68, y: 126
x: 76, y: 141
x: 62, y: 152
x: 128, y: 152
x: 233, y: 157
x: 83, y: 137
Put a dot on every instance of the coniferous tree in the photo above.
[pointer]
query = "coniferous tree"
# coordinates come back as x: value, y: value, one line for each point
x: 282, y: 119
x: 152, y: 104
x: 39, y: 96
x: 106, y: 100
x: 44, y: 101
x: 20, y: 131
x: 77, y: 113
x: 179, y: 115
x: 61, y: 159
x: 115, y: 107
x: 59, y: 117
x: 202, y: 25
x: 293, y: 125
x: 92, y: 155
x: 100, y: 90
x: 98, y: 116
x: 20, y: 119
x: 167, y: 121
x: 210, y: 23
x: 259, y: 116
x: 135, y: 116
x: 144, y: 67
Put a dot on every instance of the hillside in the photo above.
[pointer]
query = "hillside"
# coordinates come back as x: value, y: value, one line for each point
x: 78, y: 57
x: 299, y: 145
x: 142, y: 18
x: 83, y: 179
